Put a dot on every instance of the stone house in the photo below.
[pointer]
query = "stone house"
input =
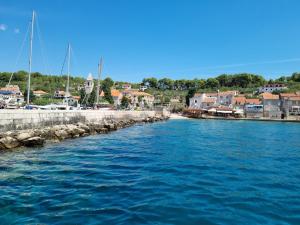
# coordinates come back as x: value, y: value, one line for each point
x: 205, y: 100
x: 290, y: 104
x: 139, y: 98
x: 271, y: 105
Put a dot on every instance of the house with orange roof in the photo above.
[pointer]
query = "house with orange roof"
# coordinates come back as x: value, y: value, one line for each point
x: 39, y: 93
x: 139, y: 98
x: 11, y: 90
x: 271, y: 103
x: 116, y: 95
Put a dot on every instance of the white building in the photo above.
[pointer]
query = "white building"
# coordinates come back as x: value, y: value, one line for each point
x: 205, y: 100
x: 272, y: 87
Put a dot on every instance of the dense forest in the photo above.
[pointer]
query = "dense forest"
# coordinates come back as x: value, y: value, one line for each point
x: 241, y: 81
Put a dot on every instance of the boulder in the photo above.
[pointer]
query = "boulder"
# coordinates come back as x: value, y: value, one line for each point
x: 9, y: 143
x: 61, y: 134
x: 34, y: 141
x: 24, y: 135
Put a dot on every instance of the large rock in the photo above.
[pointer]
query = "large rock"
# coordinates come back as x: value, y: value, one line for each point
x: 9, y: 143
x: 34, y: 141
x: 61, y: 134
x: 24, y: 135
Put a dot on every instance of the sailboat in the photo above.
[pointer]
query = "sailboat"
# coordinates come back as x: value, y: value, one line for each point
x: 11, y: 96
x: 97, y: 105
x: 68, y: 99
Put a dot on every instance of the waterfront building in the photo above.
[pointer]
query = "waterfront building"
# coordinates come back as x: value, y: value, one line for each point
x: 271, y: 87
x: 290, y: 104
x: 139, y: 98
x: 254, y: 110
x: 271, y: 105
x: 205, y: 100
x: 226, y: 98
x: 117, y: 97
x: 10, y: 95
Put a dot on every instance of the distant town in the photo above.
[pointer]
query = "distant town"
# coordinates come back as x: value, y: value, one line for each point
x: 236, y: 96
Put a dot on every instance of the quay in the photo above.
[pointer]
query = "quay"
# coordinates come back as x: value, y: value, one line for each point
x: 33, y: 127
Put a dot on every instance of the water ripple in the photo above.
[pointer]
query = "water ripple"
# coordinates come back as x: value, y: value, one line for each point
x: 176, y: 172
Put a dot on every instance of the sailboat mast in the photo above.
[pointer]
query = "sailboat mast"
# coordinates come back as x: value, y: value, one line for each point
x: 30, y: 58
x: 98, y: 83
x: 68, y: 80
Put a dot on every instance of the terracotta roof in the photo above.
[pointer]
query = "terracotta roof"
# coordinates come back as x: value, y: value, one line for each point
x: 39, y: 92
x: 10, y: 88
x: 76, y: 97
x: 253, y: 101
x: 228, y: 93
x: 239, y: 100
x: 213, y: 94
x: 136, y: 93
x: 197, y: 94
x: 284, y: 95
x: 270, y: 96
x: 209, y: 100
x: 115, y: 93
x: 295, y: 98
x: 60, y: 92
x: 221, y: 93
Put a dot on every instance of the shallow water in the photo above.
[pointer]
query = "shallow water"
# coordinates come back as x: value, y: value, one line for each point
x: 175, y: 172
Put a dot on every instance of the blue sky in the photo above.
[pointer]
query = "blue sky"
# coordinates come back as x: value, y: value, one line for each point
x: 142, y: 38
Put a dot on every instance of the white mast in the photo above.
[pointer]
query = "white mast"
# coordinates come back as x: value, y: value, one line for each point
x: 68, y: 80
x: 98, y: 83
x: 30, y: 57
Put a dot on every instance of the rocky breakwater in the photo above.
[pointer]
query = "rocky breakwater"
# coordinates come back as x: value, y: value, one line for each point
x: 38, y: 137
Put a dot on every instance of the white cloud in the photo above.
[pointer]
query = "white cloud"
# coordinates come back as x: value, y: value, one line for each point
x: 3, y: 27
x: 16, y: 30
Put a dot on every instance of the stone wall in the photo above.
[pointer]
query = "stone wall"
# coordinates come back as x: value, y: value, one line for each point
x: 29, y: 119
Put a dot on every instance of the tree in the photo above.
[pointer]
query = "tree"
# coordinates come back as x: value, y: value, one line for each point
x: 107, y: 83
x: 165, y: 83
x: 92, y: 98
x: 295, y: 77
x: 189, y: 95
x: 82, y: 95
x: 212, y: 83
x: 124, y: 102
x: 150, y: 82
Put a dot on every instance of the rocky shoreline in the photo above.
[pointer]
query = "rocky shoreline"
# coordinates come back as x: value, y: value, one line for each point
x: 38, y: 137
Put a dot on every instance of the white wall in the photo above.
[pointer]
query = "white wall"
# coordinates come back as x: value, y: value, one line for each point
x: 26, y: 119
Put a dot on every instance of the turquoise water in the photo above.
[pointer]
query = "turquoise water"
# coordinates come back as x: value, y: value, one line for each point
x: 175, y: 172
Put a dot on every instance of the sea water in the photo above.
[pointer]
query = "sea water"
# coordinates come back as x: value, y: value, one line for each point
x: 174, y: 172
